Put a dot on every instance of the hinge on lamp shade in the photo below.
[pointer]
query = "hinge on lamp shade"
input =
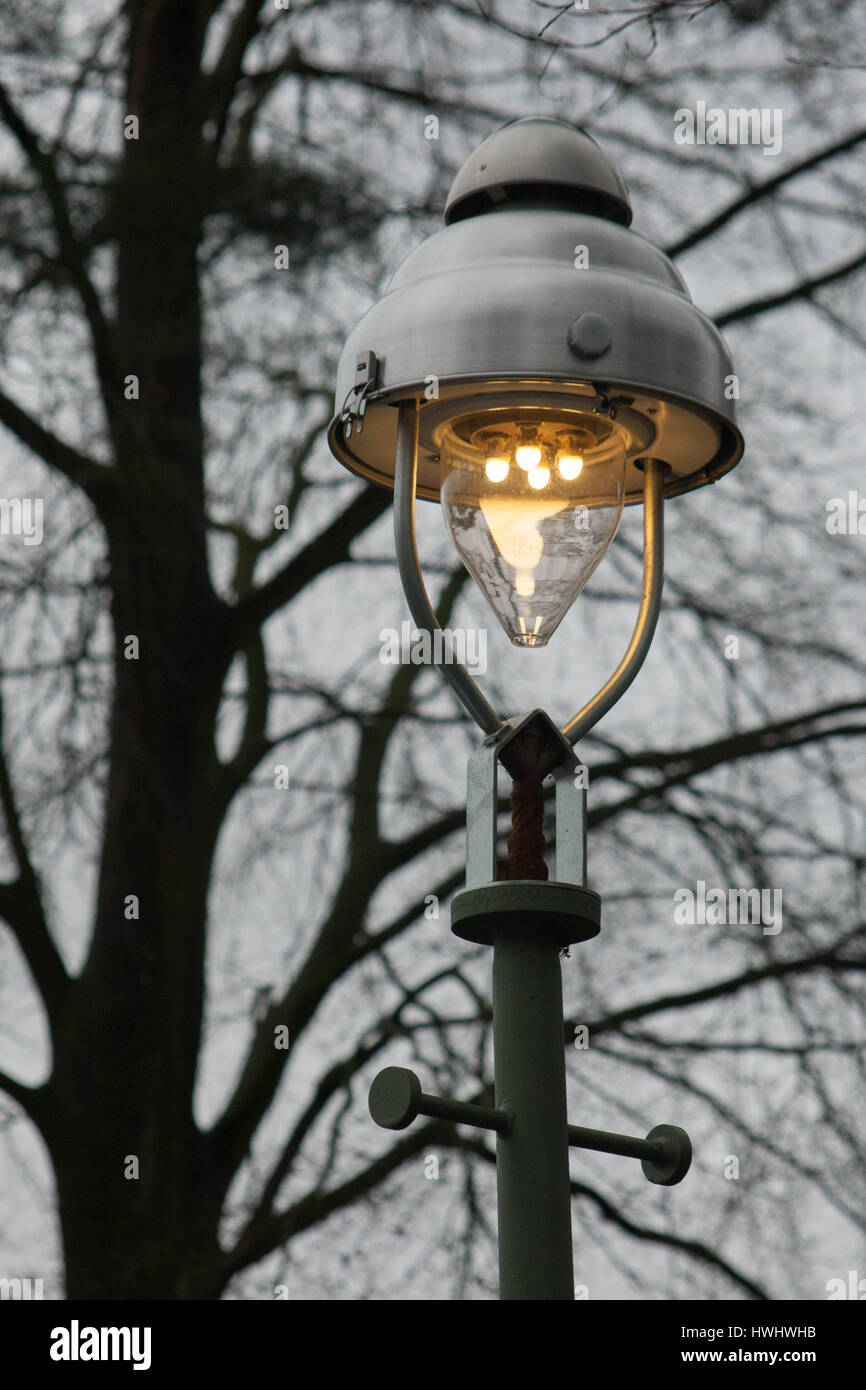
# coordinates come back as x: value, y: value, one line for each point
x: 355, y: 404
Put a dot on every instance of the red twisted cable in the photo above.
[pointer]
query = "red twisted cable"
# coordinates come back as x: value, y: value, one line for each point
x: 526, y: 842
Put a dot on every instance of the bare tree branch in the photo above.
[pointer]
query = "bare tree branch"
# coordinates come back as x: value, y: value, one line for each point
x: 696, y: 1249
x: 93, y: 478
x: 70, y: 252
x: 803, y: 290
x: 329, y: 548
x: 317, y: 1206
x: 759, y: 191
x: 28, y: 1097
x: 21, y: 902
x: 829, y: 959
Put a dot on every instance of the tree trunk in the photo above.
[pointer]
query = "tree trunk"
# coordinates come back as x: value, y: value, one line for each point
x: 138, y: 1208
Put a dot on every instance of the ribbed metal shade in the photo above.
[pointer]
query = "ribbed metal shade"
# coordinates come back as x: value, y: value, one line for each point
x: 538, y: 293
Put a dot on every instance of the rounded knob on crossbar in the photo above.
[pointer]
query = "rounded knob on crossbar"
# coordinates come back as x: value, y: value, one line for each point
x: 395, y: 1097
x: 673, y: 1158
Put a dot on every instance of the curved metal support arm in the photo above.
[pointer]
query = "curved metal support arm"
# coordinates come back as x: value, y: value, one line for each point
x: 650, y: 606
x: 405, y: 482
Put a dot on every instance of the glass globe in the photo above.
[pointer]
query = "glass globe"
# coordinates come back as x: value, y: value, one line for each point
x: 532, y: 499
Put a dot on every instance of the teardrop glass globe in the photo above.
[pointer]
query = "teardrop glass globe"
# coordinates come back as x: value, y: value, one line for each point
x: 532, y: 500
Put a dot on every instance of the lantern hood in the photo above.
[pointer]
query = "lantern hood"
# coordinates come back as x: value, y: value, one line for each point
x: 537, y: 295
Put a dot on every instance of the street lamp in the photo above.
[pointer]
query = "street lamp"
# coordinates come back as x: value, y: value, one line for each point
x: 534, y: 367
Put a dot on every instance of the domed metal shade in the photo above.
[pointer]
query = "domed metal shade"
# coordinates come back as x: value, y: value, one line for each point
x: 538, y: 294
x: 532, y: 160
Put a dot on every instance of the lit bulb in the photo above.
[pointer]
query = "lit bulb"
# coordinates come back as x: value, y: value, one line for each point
x: 496, y: 470
x: 570, y: 466
x: 528, y: 456
x: 512, y: 491
x: 514, y: 527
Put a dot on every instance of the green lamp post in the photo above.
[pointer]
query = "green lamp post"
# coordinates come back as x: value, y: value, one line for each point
x: 534, y: 367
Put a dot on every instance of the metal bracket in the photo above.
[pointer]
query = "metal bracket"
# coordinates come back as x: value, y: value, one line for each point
x: 405, y: 486
x: 648, y: 613
x: 355, y: 404
x: 528, y: 743
x: 396, y: 1099
x: 603, y: 404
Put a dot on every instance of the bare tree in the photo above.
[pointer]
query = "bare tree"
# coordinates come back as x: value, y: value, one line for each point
x: 231, y: 831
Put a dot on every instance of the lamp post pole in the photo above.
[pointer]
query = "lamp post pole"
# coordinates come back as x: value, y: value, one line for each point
x: 533, y: 1192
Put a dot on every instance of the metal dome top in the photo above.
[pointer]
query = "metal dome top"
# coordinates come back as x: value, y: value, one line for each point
x: 537, y: 159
